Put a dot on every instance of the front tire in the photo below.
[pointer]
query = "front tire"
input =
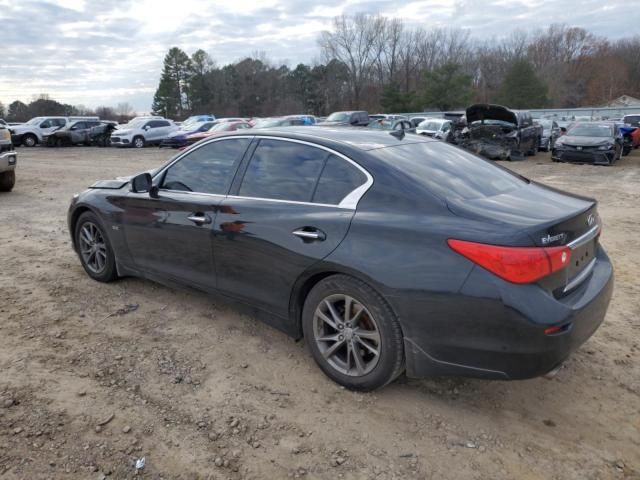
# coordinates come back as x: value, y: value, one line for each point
x: 352, y: 333
x: 94, y: 249
x: 29, y: 140
x: 138, y: 142
x: 7, y: 180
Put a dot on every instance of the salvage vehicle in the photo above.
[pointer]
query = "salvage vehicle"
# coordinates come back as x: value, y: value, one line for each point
x: 389, y: 124
x: 288, y: 121
x: 142, y: 132
x: 550, y: 133
x: 178, y: 139
x: 632, y: 119
x: 483, y: 272
x: 74, y: 133
x: 8, y: 161
x: 497, y: 132
x: 32, y: 133
x: 589, y: 142
x: 353, y: 118
x: 437, y: 128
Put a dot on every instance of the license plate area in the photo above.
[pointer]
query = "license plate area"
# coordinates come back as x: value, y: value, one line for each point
x: 581, y: 257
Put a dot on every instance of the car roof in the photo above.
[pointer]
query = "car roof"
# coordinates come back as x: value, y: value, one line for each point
x: 355, y: 137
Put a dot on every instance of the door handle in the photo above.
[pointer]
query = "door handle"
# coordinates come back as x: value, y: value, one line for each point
x: 199, y: 219
x: 309, y: 234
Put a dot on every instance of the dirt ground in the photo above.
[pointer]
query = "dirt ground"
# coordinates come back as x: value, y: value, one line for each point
x: 89, y: 383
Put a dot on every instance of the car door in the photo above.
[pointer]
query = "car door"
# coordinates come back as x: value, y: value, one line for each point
x: 153, y: 131
x: 171, y: 236
x: 286, y: 211
x: 50, y: 125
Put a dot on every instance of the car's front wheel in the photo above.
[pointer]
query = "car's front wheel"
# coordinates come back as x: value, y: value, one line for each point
x: 352, y: 333
x: 94, y: 249
x: 7, y: 180
x: 138, y: 142
x: 29, y: 140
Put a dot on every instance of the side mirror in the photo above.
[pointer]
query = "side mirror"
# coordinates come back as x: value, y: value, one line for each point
x: 141, y: 183
x: 146, y: 127
x: 563, y: 130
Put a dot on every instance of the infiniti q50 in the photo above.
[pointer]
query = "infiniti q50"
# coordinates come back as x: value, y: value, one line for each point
x: 388, y: 253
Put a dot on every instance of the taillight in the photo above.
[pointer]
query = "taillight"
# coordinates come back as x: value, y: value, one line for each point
x: 514, y: 264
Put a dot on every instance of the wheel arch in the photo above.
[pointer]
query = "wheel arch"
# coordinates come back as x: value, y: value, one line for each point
x: 310, y: 279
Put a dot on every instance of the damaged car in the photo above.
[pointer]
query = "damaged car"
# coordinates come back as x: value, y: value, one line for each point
x: 499, y: 133
x: 589, y: 142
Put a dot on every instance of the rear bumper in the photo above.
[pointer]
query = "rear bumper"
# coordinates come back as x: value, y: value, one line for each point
x: 8, y: 161
x: 493, y: 329
x: 604, y: 157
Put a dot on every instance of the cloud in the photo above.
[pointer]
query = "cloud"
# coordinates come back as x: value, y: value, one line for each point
x: 100, y: 53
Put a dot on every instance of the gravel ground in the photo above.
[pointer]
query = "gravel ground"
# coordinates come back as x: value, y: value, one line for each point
x: 94, y: 376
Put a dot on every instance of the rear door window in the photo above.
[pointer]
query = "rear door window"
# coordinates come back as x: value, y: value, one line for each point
x: 207, y: 169
x: 449, y: 172
x: 282, y: 170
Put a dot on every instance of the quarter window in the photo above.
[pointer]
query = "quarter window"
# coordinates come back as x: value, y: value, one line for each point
x: 283, y: 171
x: 338, y: 179
x: 208, y: 169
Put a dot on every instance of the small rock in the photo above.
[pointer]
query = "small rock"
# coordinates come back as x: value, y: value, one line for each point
x: 126, y: 429
x: 8, y: 403
x: 213, y: 436
x: 470, y: 445
x: 549, y: 423
x: 218, y: 462
x: 620, y: 464
x: 18, y: 430
x: 82, y: 393
x: 234, y: 423
x: 98, y: 428
x: 244, y: 365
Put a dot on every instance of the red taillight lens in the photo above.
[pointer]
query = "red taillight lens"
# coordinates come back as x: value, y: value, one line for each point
x: 514, y: 264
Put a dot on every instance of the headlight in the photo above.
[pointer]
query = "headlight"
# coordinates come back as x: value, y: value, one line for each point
x: 608, y: 146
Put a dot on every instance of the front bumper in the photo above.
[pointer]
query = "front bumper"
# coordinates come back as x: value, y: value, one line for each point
x: 494, y: 329
x: 584, y: 155
x: 8, y: 161
x: 120, y: 141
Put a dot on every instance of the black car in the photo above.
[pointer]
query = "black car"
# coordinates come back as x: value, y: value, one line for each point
x: 589, y: 142
x: 387, y: 253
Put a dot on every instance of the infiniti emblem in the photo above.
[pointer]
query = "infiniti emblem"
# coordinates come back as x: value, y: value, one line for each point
x: 590, y: 219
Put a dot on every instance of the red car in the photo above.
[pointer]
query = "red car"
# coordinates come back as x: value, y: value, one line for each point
x: 217, y: 130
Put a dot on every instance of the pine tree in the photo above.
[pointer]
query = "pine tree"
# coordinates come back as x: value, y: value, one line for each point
x: 447, y: 87
x: 171, y: 99
x: 521, y: 88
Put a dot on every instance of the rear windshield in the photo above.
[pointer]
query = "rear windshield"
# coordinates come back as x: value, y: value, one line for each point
x: 450, y: 172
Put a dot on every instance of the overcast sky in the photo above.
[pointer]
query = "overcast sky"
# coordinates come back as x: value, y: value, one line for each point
x: 101, y: 52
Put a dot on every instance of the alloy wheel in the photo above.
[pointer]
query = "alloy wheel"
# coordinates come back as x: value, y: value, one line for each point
x: 347, y: 335
x: 93, y: 247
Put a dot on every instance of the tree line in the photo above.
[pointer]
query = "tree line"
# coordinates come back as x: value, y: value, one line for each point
x: 379, y: 64
x: 43, y: 106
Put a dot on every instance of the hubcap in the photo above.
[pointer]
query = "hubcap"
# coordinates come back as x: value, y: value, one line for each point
x: 347, y: 335
x: 92, y: 247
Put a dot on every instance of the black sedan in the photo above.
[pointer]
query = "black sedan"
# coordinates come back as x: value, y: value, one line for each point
x: 386, y: 253
x: 589, y: 142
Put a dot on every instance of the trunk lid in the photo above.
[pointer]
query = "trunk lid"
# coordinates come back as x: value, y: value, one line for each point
x: 550, y: 218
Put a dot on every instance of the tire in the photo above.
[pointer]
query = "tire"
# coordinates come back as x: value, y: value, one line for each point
x: 29, y: 140
x: 59, y: 142
x: 376, y: 328
x: 7, y: 180
x: 100, y: 266
x: 138, y: 142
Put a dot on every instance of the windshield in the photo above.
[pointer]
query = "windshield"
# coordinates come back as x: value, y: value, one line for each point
x: 381, y: 124
x: 133, y: 124
x: 430, y: 125
x: 35, y: 121
x: 591, y: 131
x: 268, y: 123
x: 338, y: 117
x: 449, y: 173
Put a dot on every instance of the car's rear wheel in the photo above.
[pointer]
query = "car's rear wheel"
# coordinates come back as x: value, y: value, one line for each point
x: 94, y: 249
x: 7, y: 180
x: 29, y: 140
x: 138, y: 142
x: 352, y: 333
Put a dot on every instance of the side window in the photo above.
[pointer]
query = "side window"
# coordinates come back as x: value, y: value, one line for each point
x: 283, y: 170
x: 47, y: 124
x: 162, y: 123
x: 446, y: 127
x: 79, y: 126
x: 153, y: 124
x: 208, y: 169
x: 59, y: 122
x: 338, y: 179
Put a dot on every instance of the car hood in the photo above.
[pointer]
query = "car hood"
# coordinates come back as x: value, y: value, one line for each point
x: 117, y: 131
x: 20, y: 128
x: 483, y: 111
x: 179, y: 133
x: 328, y: 124
x: 584, y: 141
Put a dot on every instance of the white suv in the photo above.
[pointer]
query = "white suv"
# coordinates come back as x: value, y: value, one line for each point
x: 142, y: 131
x: 31, y: 133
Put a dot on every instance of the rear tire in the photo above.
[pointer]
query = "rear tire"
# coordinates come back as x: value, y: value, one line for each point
x: 369, y: 331
x: 7, y: 180
x: 94, y: 248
